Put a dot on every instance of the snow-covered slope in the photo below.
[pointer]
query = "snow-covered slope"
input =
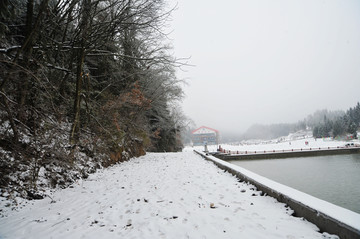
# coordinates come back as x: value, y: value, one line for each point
x: 166, y: 195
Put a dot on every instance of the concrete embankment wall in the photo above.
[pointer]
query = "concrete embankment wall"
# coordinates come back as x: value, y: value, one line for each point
x: 291, y: 154
x: 328, y: 217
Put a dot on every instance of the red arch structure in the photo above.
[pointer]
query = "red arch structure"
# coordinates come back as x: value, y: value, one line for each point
x: 205, y: 135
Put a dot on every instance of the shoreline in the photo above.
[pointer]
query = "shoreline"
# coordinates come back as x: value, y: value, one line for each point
x: 236, y: 155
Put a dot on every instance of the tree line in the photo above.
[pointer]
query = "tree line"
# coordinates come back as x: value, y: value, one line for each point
x: 347, y: 123
x: 322, y: 123
x: 85, y: 80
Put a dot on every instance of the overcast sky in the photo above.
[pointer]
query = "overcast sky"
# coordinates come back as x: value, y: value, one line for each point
x: 262, y: 61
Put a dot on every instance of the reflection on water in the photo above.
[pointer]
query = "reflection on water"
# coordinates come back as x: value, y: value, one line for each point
x: 335, y: 179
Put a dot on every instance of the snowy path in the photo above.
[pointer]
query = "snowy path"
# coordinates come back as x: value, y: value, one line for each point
x: 167, y: 195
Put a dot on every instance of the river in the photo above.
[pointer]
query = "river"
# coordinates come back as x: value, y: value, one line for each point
x: 335, y: 179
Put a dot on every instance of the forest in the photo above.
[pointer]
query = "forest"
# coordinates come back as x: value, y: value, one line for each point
x: 343, y: 125
x: 84, y: 84
x: 322, y: 123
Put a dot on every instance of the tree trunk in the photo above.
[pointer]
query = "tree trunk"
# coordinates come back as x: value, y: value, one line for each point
x: 84, y: 28
x: 75, y: 129
x: 27, y: 50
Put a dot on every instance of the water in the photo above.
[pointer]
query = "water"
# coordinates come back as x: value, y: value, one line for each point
x: 335, y: 179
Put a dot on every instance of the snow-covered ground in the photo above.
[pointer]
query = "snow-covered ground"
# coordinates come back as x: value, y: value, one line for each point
x: 287, y: 144
x: 164, y: 195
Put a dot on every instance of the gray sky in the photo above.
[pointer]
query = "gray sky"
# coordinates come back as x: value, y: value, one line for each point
x: 262, y: 61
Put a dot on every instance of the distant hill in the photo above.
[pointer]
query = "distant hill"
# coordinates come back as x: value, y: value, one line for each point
x: 273, y: 131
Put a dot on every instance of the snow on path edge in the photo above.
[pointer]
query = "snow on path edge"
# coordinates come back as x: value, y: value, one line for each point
x: 345, y: 216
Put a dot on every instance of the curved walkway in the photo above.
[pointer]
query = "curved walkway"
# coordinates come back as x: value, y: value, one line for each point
x: 164, y: 195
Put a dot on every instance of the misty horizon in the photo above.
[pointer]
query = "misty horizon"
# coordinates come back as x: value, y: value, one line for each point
x: 260, y: 62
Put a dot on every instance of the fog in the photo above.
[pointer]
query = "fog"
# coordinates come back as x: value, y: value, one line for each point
x: 260, y: 61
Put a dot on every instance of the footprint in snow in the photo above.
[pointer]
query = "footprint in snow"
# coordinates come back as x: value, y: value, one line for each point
x: 129, y: 223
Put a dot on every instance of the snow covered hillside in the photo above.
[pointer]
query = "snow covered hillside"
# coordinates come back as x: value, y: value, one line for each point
x: 160, y: 195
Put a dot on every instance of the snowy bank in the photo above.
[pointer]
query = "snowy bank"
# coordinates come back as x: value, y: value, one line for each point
x: 327, y: 216
x: 289, y: 144
x: 164, y: 195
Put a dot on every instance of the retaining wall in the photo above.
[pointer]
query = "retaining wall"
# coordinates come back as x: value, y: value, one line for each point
x: 328, y: 217
x: 290, y: 154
